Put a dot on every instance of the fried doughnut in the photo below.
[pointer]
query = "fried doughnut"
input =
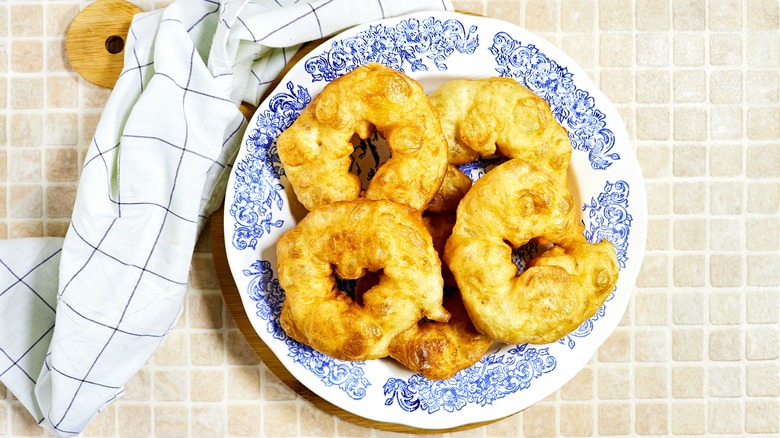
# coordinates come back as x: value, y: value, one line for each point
x: 453, y: 189
x: 316, y: 149
x: 348, y: 239
x: 498, y: 116
x: 438, y: 350
x: 511, y: 205
x: 440, y: 228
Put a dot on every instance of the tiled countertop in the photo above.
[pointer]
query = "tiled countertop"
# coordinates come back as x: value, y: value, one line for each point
x: 697, y: 83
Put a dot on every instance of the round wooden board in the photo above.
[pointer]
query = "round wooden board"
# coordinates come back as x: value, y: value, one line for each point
x: 236, y: 307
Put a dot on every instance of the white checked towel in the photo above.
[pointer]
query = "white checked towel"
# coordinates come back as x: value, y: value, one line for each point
x: 79, y: 316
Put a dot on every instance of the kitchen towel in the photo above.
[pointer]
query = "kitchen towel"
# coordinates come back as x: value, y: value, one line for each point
x: 80, y: 315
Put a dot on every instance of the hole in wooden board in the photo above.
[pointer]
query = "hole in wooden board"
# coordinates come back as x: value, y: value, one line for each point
x: 115, y: 44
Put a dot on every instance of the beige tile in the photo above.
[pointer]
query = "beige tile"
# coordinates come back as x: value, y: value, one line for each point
x: 726, y: 307
x: 725, y: 49
x: 3, y: 201
x: 650, y: 345
x: 652, y: 123
x: 350, y: 429
x: 689, y: 50
x: 207, y: 385
x: 25, y: 165
x: 26, y: 129
x: 26, y: 93
x: 93, y: 96
x: 56, y: 57
x: 658, y: 234
x: 134, y: 420
x: 3, y: 20
x: 652, y: 49
x: 763, y: 87
x: 687, y: 344
x: 689, y: 160
x: 208, y: 421
x: 725, y: 344
x: 539, y: 421
x: 509, y: 426
x: 763, y: 197
x: 59, y: 17
x: 104, y: 424
x: 614, y: 382
x: 207, y: 348
x: 26, y: 20
x: 473, y: 6
x: 688, y: 15
x: 3, y: 166
x: 61, y: 165
x: 205, y: 309
x: 578, y: 16
x: 508, y: 10
x: 170, y: 385
x: 725, y: 381
x: 762, y: 15
x: 726, y: 270
x: 615, y: 15
x: 139, y: 387
x: 689, y: 270
x: 688, y: 418
x: 541, y: 16
x: 762, y: 271
x: 724, y: 416
x: 62, y: 92
x: 25, y: 201
x: 3, y: 392
x: 690, y: 124
x: 243, y: 383
x: 582, y: 48
x: 762, y: 124
x: 726, y: 198
x: 244, y: 419
x: 29, y: 228
x: 763, y: 49
x: 761, y: 416
x: 762, y: 307
x: 171, y: 421
x: 615, y: 50
x: 690, y: 234
x: 650, y: 308
x: 763, y: 379
x: 238, y: 350
x: 273, y: 388
x: 726, y: 86
x: 88, y: 125
x: 618, y: 85
x: 654, y: 271
x: 726, y: 122
x: 203, y: 274
x: 614, y: 419
x: 725, y: 234
x: 580, y: 387
x: 57, y: 228
x: 577, y: 420
x: 650, y: 382
x: 655, y: 160
x: 316, y: 422
x: 4, y: 58
x: 688, y: 381
x: 62, y: 129
x: 652, y: 15
x: 60, y: 200
x: 762, y: 343
x: 617, y: 347
x: 280, y: 419
x: 688, y: 308
x: 763, y: 234
x: 725, y: 15
x: 651, y: 418
x: 725, y: 160
x: 26, y: 56
x: 689, y: 197
x: 652, y: 86
x: 173, y: 350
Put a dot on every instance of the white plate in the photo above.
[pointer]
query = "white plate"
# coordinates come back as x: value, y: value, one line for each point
x: 434, y: 47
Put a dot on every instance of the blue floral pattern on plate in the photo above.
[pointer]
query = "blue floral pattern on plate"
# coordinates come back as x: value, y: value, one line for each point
x: 395, y: 46
x: 554, y: 83
x: 436, y: 47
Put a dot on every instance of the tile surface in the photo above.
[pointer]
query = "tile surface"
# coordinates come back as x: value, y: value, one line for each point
x: 698, y: 351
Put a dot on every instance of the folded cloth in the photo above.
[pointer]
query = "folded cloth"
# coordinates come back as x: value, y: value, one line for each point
x: 80, y: 316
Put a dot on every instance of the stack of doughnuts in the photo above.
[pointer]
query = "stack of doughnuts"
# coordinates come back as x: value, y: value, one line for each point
x: 432, y: 253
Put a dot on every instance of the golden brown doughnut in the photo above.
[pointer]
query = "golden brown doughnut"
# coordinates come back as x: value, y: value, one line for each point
x: 316, y: 149
x: 348, y: 239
